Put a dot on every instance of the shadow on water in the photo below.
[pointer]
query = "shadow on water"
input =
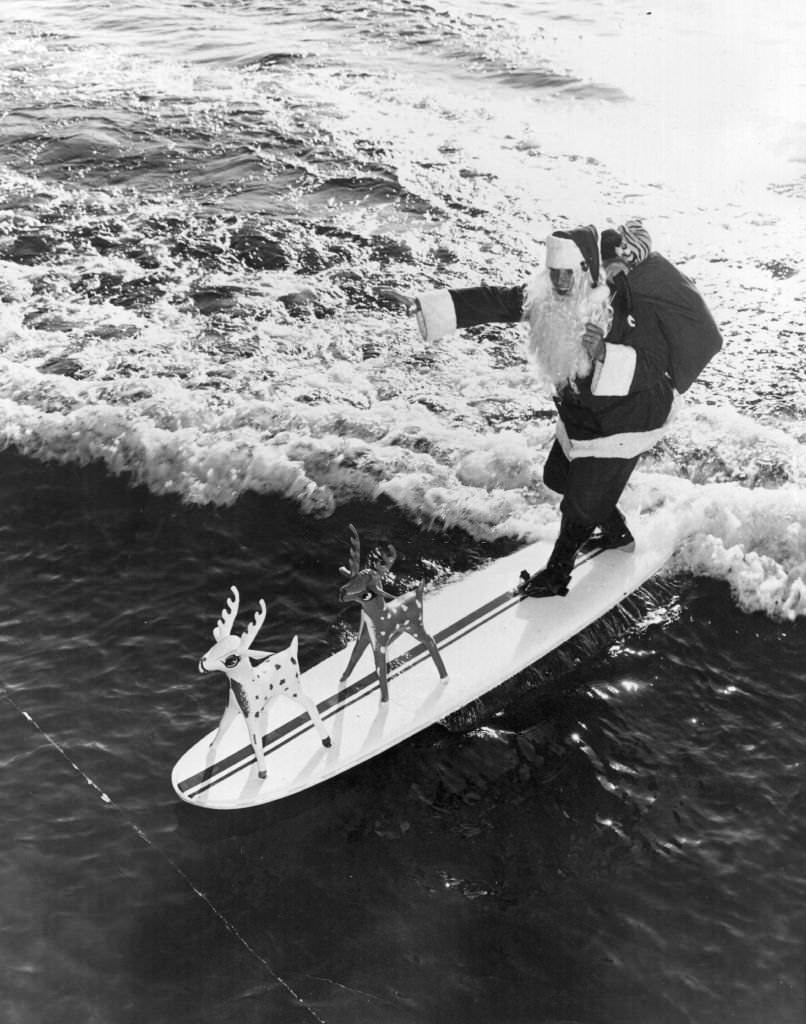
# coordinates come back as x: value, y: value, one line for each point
x: 438, y: 871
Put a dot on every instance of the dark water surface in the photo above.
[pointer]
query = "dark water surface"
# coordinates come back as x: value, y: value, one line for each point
x: 629, y: 848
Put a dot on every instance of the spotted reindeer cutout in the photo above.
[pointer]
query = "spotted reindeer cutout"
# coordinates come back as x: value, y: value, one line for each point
x: 383, y: 617
x: 253, y: 688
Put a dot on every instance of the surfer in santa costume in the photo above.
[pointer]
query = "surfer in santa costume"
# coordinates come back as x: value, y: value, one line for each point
x: 604, y: 349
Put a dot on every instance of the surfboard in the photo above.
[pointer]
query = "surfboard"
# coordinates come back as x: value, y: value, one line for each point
x: 486, y: 633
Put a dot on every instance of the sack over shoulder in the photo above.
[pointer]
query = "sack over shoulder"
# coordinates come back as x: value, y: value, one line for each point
x: 661, y: 292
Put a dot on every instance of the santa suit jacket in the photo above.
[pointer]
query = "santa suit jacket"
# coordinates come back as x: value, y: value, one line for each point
x: 620, y: 410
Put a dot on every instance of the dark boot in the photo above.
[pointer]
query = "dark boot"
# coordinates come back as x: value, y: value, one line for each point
x: 615, y: 533
x: 554, y: 579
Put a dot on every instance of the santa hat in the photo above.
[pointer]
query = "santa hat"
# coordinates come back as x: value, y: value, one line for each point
x: 635, y: 244
x: 566, y: 250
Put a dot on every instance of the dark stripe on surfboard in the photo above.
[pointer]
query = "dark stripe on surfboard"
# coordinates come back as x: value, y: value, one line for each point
x: 222, y: 770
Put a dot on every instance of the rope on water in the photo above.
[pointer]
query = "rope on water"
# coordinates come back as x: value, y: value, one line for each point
x: 230, y: 927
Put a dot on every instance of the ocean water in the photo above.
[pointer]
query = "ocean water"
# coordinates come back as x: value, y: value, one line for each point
x: 202, y: 385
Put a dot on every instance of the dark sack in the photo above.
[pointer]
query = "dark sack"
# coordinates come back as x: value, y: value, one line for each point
x: 660, y: 292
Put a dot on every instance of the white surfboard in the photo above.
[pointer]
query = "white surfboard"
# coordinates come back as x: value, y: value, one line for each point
x: 486, y: 635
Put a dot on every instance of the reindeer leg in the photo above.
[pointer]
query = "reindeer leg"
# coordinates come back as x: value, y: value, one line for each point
x: 316, y: 718
x: 256, y: 730
x: 358, y: 649
x: 419, y: 632
x: 380, y: 666
x: 430, y: 644
x: 255, y: 717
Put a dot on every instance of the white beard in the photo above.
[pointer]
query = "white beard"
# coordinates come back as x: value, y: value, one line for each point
x: 556, y: 326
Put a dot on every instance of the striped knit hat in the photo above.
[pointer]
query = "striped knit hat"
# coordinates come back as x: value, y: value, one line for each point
x: 636, y: 244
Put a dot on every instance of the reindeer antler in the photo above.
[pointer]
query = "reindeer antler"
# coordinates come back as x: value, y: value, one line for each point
x: 382, y: 558
x: 225, y: 623
x: 253, y: 628
x: 354, y: 561
x: 355, y: 550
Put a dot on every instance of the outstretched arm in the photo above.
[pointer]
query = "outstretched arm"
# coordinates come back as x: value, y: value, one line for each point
x: 488, y: 304
x: 443, y: 311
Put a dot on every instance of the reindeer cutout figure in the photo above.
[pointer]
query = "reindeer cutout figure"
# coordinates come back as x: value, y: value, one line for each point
x: 252, y: 688
x: 383, y: 617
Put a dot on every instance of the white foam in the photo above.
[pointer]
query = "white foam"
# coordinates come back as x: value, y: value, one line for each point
x: 208, y: 407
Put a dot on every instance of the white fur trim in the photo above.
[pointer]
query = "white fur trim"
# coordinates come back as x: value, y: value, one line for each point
x: 614, y: 376
x: 616, y: 446
x: 563, y: 254
x: 437, y: 314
